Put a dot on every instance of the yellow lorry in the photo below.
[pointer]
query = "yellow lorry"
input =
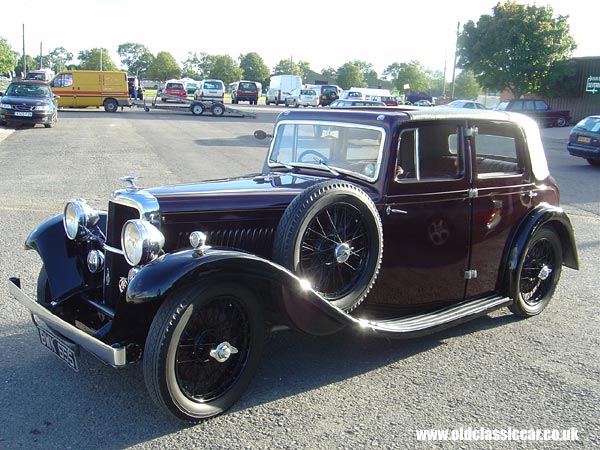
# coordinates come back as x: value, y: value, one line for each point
x: 83, y: 88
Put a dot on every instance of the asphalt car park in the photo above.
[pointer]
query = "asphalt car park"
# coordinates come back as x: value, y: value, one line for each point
x: 342, y: 391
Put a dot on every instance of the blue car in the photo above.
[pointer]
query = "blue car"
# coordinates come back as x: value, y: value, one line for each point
x: 29, y: 102
x: 584, y: 140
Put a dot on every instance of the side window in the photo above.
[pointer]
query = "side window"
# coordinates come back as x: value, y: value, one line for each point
x: 497, y: 148
x: 64, y: 80
x: 429, y: 152
x: 541, y: 105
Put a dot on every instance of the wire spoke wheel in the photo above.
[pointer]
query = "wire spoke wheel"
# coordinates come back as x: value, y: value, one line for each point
x: 200, y: 376
x: 334, y: 250
x: 331, y: 235
x: 538, y: 273
x: 203, y: 348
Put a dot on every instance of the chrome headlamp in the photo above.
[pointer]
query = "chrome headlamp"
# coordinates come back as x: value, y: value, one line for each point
x: 78, y: 218
x: 141, y: 241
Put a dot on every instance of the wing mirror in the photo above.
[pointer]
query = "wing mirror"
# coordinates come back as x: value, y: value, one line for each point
x: 262, y: 135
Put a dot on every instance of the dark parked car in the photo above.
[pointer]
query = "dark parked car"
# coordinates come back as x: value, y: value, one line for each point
x: 29, y: 102
x: 190, y: 278
x: 245, y: 91
x: 353, y: 102
x: 584, y: 140
x: 537, y: 109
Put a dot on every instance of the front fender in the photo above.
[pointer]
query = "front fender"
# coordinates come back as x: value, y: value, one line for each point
x: 544, y: 214
x: 63, y: 259
x: 303, y: 308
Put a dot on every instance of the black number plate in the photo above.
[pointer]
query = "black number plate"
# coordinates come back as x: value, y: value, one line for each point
x: 59, y: 348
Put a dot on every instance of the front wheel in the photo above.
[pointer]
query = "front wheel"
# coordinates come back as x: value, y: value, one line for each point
x: 52, y: 122
x: 537, y: 274
x: 202, y: 350
x: 562, y: 122
x: 594, y: 162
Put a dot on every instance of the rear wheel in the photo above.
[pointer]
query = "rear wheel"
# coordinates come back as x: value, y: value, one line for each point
x: 562, y: 122
x: 537, y: 274
x: 111, y: 105
x: 217, y: 109
x: 203, y: 347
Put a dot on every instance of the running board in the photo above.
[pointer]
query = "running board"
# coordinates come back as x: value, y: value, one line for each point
x: 427, y: 323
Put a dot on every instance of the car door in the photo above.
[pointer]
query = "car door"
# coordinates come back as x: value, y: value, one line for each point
x: 503, y: 193
x: 427, y: 218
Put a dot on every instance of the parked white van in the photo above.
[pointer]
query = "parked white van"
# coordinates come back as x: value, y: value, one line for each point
x: 210, y: 90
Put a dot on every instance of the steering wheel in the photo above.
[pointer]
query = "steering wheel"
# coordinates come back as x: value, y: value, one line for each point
x: 312, y: 152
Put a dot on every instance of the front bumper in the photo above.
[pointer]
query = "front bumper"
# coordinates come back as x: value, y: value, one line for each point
x: 114, y: 355
x: 35, y: 118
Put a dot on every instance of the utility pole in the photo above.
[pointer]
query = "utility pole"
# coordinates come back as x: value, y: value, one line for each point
x: 41, y: 60
x: 455, y: 58
x: 24, y: 58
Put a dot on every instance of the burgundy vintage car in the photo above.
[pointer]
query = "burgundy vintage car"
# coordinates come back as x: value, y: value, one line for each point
x: 191, y: 278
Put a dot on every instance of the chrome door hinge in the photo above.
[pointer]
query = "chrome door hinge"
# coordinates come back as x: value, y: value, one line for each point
x: 470, y: 274
x: 473, y: 193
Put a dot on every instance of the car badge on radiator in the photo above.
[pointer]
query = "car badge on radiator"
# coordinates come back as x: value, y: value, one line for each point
x: 131, y: 179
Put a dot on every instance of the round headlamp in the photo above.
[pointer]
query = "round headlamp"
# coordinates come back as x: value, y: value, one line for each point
x: 78, y: 218
x: 141, y: 241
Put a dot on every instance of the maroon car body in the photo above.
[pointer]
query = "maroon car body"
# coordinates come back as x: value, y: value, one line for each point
x: 463, y: 200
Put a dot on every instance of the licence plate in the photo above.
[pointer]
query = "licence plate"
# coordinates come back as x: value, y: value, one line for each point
x: 59, y: 348
x: 584, y: 139
x: 24, y: 113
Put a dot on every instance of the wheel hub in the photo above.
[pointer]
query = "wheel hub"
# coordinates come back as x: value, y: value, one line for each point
x: 544, y: 273
x: 223, y: 351
x: 342, y: 252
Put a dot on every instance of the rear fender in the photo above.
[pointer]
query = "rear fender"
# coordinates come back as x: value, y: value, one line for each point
x: 543, y: 215
x: 294, y: 301
x: 64, y: 260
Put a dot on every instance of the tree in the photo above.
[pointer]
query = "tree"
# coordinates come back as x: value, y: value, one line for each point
x: 254, y: 68
x: 8, y: 57
x: 225, y: 68
x: 135, y: 57
x: 350, y: 75
x: 197, y: 66
x: 412, y: 74
x: 466, y: 86
x: 287, y: 67
x: 330, y: 74
x: 96, y: 59
x: 164, y: 67
x: 515, y: 47
x: 57, y: 59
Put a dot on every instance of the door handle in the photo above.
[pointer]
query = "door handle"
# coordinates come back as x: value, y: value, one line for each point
x: 389, y: 210
x: 529, y: 194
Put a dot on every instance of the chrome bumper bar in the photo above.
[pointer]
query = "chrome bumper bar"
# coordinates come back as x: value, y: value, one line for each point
x: 111, y: 355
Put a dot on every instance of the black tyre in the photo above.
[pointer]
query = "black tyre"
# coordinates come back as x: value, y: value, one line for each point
x: 52, y: 122
x: 331, y: 234
x: 217, y: 109
x: 110, y: 105
x: 562, y: 122
x: 202, y: 349
x: 197, y: 109
x: 594, y: 162
x: 44, y: 297
x: 537, y: 274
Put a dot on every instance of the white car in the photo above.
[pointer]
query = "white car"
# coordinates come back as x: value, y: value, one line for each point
x: 302, y: 97
x: 470, y: 104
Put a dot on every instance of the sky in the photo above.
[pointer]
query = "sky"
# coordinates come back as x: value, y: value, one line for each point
x: 327, y: 34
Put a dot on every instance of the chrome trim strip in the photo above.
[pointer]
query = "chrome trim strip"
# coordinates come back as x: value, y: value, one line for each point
x: 108, y: 248
x: 143, y: 201
x: 111, y: 355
